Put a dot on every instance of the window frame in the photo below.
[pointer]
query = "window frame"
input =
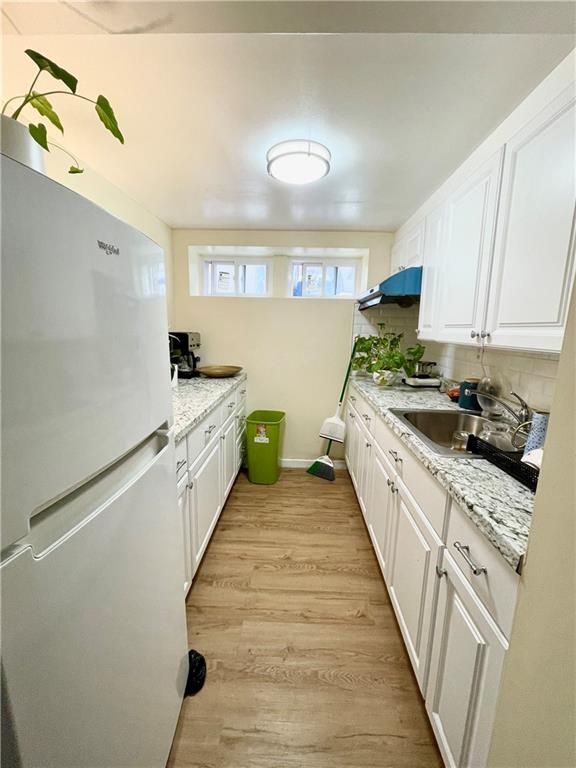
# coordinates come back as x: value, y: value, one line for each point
x: 324, y: 262
x: 208, y: 284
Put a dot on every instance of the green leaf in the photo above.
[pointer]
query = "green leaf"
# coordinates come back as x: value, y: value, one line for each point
x: 106, y: 114
x: 38, y: 133
x: 75, y: 169
x: 43, y: 106
x: 53, y: 69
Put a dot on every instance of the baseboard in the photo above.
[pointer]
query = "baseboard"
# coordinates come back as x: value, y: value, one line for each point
x: 305, y: 463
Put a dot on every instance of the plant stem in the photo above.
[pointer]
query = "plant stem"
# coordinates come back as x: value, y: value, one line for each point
x: 27, y: 97
x: 22, y: 96
x: 66, y: 152
x: 30, y: 98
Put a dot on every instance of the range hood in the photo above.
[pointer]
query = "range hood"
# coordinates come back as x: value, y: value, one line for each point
x: 402, y: 288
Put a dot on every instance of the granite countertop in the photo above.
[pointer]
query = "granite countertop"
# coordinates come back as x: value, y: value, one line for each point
x: 192, y: 399
x: 497, y: 504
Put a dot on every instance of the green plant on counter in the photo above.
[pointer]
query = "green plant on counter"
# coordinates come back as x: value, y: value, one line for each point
x: 39, y: 101
x: 384, y: 353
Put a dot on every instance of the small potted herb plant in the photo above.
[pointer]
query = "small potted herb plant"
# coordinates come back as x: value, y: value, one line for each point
x: 383, y: 357
x: 18, y: 142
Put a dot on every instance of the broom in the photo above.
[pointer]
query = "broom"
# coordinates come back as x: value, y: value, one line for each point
x: 334, y: 429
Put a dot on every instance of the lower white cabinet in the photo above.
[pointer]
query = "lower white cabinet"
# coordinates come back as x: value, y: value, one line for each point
x: 381, y: 506
x: 214, y: 456
x: 453, y: 614
x: 229, y: 464
x: 466, y: 664
x: 412, y: 576
x: 206, y: 498
x: 184, y: 512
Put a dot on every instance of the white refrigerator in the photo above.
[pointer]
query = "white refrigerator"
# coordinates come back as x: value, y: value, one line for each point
x: 94, y: 650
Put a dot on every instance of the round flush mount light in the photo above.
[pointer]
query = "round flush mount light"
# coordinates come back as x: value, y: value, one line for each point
x: 298, y: 161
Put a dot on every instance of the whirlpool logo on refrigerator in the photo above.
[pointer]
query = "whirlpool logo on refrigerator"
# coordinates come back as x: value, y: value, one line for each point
x: 111, y: 250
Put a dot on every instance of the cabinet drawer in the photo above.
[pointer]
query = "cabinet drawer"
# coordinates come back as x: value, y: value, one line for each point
x: 181, y: 459
x: 228, y: 407
x: 497, y: 587
x: 364, y: 410
x: 203, y: 434
x: 429, y: 494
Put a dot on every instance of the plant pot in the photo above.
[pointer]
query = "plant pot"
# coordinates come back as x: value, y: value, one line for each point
x: 17, y: 143
x: 388, y: 378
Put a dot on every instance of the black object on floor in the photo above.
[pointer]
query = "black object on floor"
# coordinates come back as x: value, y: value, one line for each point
x: 196, y: 673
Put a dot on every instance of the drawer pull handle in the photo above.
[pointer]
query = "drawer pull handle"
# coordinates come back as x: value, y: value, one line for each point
x: 464, y: 550
x: 242, y: 391
x: 180, y: 464
x: 368, y: 445
x: 391, y: 485
x: 231, y: 405
x: 366, y: 417
x: 352, y: 398
x: 352, y: 416
x: 190, y: 486
x: 395, y: 456
x: 210, y: 429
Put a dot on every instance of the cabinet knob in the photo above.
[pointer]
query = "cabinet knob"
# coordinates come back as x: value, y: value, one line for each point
x: 441, y: 572
x: 242, y: 391
x: 368, y: 445
x: 190, y: 486
x: 352, y: 398
x: 484, y: 334
x: 352, y: 416
x: 473, y: 334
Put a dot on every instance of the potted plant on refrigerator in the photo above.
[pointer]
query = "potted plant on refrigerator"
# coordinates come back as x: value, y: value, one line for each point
x: 25, y: 143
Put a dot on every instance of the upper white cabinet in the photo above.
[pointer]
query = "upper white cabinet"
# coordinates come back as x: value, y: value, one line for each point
x: 498, y: 251
x: 466, y: 254
x: 533, y: 269
x: 408, y: 252
x: 432, y: 254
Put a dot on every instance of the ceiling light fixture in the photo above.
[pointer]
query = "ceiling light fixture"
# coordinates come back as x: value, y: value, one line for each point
x: 298, y: 162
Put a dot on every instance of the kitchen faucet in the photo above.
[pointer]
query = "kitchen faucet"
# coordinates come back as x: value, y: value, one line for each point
x: 522, y: 415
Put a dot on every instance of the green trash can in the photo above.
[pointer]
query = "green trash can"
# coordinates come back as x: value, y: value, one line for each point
x: 264, y: 432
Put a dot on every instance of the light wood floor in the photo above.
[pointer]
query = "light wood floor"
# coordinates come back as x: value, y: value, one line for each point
x: 306, y: 665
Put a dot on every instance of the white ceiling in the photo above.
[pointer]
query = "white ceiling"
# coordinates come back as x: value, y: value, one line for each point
x: 398, y: 112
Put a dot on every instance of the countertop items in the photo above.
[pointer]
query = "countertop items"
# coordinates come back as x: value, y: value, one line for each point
x: 497, y: 504
x: 192, y: 399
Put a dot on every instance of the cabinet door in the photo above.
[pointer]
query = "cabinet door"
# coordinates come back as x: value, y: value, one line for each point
x: 431, y: 273
x: 381, y: 500
x: 206, y: 498
x: 466, y: 254
x: 184, y: 512
x: 408, y: 251
x: 467, y: 656
x: 411, y: 583
x: 229, y: 461
x: 365, y: 448
x: 533, y: 269
x: 351, y: 444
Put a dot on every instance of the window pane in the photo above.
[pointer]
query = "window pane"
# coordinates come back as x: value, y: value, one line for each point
x: 297, y: 280
x: 345, y: 281
x: 312, y: 280
x: 224, y: 278
x: 254, y: 279
x: 330, y: 281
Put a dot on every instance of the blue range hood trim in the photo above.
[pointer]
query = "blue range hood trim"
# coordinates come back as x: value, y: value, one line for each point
x: 400, y: 288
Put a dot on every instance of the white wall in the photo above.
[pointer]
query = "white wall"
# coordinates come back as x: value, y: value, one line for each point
x: 294, y: 350
x: 536, y: 711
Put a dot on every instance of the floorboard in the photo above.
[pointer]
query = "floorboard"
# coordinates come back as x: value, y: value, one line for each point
x: 306, y: 664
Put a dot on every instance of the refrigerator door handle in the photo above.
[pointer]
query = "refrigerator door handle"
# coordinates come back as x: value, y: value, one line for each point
x: 61, y: 520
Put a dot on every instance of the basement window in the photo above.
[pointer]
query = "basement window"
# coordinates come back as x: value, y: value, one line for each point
x: 326, y: 279
x: 236, y: 277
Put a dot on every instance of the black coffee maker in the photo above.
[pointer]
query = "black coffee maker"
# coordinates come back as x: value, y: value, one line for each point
x: 182, y: 352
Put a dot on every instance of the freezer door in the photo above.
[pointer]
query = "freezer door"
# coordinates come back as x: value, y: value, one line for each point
x: 94, y: 652
x: 85, y: 367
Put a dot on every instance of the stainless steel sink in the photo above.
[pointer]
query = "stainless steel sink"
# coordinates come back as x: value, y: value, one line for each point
x: 435, y: 428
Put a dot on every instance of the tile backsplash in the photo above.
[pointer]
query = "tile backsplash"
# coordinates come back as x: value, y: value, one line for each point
x: 531, y: 374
